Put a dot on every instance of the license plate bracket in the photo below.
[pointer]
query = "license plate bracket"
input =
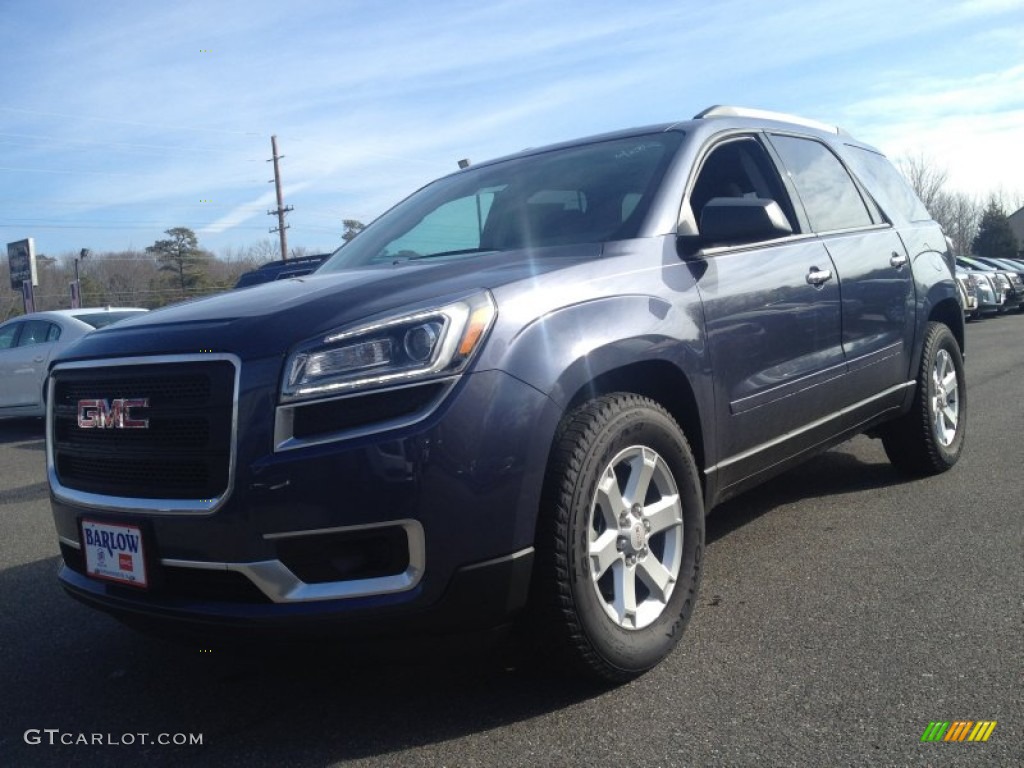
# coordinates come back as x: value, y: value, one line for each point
x: 114, y: 552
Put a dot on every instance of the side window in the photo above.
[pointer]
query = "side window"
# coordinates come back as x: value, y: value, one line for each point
x: 54, y: 333
x: 739, y: 168
x: 829, y: 195
x: 34, y: 332
x: 8, y: 335
x: 888, y: 186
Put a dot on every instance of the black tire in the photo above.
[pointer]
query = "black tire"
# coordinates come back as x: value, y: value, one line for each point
x: 600, y: 448
x: 930, y: 437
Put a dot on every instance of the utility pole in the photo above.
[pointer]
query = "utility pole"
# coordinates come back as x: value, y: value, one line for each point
x: 76, y: 292
x: 281, y: 209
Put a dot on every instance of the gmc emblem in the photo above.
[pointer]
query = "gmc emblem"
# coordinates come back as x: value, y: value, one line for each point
x: 111, y: 414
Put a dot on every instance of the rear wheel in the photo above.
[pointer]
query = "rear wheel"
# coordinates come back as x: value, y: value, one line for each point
x: 930, y: 438
x: 620, y: 538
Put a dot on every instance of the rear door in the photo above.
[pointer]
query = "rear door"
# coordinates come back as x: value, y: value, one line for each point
x: 25, y: 364
x: 8, y: 351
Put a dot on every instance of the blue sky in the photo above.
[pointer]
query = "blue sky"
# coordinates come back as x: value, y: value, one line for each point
x: 119, y: 120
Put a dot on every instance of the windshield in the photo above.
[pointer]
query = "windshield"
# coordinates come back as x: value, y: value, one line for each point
x: 588, y: 193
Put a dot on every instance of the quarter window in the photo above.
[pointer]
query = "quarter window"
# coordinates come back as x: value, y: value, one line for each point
x: 830, y: 197
x: 896, y: 196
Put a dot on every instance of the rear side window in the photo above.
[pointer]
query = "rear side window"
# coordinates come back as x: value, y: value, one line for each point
x: 887, y: 185
x: 829, y: 195
x: 35, y: 332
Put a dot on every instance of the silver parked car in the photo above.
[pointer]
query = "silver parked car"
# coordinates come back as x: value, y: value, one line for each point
x: 28, y: 343
x: 991, y: 298
x: 968, y: 285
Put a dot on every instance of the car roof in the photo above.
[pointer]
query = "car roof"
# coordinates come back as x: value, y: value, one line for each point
x: 710, y: 120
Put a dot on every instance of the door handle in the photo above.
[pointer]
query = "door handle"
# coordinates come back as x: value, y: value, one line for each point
x: 898, y: 260
x: 818, y: 277
x: 38, y: 359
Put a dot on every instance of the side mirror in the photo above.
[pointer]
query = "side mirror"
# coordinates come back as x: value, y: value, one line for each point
x: 738, y: 220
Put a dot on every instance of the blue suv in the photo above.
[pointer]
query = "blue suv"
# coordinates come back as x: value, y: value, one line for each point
x: 513, y: 397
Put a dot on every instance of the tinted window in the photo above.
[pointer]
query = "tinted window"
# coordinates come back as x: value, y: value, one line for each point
x: 738, y: 168
x: 829, y: 195
x: 887, y: 185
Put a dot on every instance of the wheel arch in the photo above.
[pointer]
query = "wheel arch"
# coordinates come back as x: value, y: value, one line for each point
x: 662, y: 382
x: 950, y: 313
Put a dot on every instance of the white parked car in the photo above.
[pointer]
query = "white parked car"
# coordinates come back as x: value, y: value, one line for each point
x: 28, y: 342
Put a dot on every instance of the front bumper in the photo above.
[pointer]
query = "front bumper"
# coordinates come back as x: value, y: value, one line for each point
x: 446, y: 507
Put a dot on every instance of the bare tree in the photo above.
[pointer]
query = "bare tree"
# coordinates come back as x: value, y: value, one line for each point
x: 263, y: 251
x: 927, y: 179
x: 961, y: 222
x: 956, y: 212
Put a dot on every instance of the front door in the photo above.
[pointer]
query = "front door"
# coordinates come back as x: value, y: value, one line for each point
x: 772, y: 314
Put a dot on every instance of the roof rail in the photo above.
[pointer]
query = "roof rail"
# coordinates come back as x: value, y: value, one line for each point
x: 764, y: 114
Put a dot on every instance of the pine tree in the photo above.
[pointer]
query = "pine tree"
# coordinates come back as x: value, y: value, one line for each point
x: 995, y: 239
x: 352, y: 228
x: 182, y: 256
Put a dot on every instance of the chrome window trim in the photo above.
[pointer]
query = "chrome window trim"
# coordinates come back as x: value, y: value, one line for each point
x: 275, y: 580
x: 102, y: 501
x: 284, y: 416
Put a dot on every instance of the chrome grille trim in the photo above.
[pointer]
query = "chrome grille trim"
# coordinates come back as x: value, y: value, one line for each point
x: 101, y: 501
x: 274, y: 579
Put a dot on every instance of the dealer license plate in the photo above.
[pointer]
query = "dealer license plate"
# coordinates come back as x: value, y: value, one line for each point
x: 114, y: 552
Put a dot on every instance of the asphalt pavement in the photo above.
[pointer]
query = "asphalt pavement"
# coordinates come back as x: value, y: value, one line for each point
x: 843, y: 609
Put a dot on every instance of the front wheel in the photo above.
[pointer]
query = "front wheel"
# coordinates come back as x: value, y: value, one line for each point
x: 930, y: 438
x: 620, y: 538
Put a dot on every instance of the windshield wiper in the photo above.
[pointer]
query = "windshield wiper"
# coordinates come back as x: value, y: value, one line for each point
x: 460, y: 252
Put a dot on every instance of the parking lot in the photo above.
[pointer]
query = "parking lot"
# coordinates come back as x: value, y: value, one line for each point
x: 843, y: 609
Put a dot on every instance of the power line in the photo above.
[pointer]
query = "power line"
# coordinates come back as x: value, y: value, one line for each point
x: 162, y: 126
x: 62, y: 170
x: 32, y: 140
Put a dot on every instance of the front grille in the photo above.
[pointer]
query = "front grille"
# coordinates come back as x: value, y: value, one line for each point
x: 184, y: 453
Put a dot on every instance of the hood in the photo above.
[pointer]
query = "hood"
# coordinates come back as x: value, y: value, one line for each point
x: 267, y: 320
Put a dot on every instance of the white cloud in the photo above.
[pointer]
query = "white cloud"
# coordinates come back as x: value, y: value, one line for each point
x: 972, y: 126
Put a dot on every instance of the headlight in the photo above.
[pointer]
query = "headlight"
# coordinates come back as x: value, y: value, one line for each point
x: 396, y: 350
